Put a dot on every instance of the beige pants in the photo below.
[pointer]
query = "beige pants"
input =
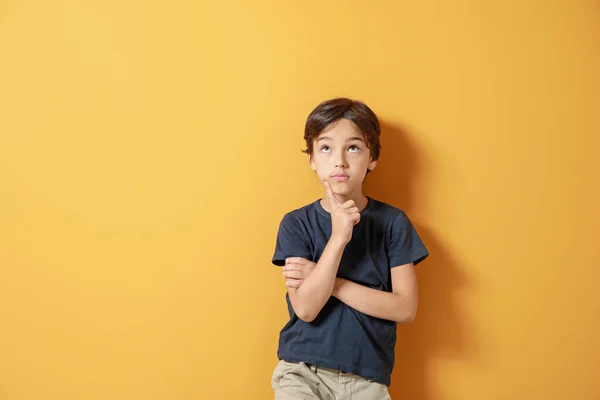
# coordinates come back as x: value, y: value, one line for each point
x: 305, y: 381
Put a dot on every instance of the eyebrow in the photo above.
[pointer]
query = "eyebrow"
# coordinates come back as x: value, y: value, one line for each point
x: 347, y: 140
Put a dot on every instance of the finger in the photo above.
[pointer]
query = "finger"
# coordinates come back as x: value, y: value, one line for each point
x: 349, y: 204
x: 293, y: 274
x: 353, y: 210
x: 294, y: 260
x: 295, y: 266
x: 293, y: 283
x: 355, y: 218
x: 333, y: 201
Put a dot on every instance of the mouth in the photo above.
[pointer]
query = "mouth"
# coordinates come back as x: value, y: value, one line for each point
x: 340, y: 177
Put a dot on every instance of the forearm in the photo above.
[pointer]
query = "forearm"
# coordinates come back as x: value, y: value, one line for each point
x: 373, y: 302
x: 316, y: 289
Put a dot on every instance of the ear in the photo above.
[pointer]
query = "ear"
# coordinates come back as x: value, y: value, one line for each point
x: 312, y: 163
x: 372, y: 165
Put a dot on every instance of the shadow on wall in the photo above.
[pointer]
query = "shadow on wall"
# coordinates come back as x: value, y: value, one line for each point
x: 438, y: 331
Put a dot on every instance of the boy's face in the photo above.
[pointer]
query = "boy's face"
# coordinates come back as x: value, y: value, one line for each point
x: 342, y: 158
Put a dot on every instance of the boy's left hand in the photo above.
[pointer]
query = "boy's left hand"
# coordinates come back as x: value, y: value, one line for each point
x: 296, y: 269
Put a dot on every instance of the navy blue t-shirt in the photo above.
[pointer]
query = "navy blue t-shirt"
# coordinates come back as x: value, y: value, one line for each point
x: 342, y: 337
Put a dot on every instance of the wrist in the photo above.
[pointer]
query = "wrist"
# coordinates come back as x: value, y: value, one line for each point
x: 338, y: 241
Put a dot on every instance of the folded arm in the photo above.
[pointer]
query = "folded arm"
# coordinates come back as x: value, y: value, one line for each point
x: 309, y: 298
x: 400, y: 305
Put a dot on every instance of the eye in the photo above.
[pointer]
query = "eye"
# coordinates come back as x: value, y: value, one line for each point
x: 354, y: 149
x: 324, y: 148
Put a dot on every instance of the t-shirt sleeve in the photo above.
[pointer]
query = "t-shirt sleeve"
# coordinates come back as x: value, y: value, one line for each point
x: 291, y: 241
x: 405, y: 244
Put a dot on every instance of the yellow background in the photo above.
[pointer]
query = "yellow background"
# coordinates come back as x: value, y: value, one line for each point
x: 149, y: 150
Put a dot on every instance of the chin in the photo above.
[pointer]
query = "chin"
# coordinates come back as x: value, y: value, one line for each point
x: 343, y: 189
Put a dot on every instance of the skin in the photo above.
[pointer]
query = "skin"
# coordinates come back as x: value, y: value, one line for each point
x: 341, y: 149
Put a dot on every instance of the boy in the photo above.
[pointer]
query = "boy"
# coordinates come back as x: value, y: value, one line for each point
x: 349, y: 266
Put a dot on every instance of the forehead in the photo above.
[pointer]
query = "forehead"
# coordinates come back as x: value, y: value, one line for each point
x: 341, y: 129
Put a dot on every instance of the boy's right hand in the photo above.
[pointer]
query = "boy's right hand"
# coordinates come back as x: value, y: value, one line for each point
x: 343, y: 216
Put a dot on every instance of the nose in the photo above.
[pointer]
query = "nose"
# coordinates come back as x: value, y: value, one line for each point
x: 340, y: 160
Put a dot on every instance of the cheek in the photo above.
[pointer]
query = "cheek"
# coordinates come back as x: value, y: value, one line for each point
x: 319, y: 161
x: 359, y: 158
x: 362, y: 163
x: 320, y: 167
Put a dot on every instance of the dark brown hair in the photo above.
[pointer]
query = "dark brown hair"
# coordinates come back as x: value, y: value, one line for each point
x: 330, y: 111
